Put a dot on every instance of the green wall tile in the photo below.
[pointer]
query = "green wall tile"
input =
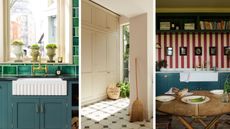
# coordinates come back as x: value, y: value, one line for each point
x: 24, y: 70
x: 69, y: 70
x: 75, y: 50
x: 75, y: 22
x: 0, y: 69
x: 75, y: 40
x: 75, y: 3
x: 10, y: 69
x: 76, y: 60
x: 75, y: 12
x: 52, y: 69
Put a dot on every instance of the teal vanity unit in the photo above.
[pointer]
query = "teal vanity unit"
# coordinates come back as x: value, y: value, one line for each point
x: 166, y: 80
x: 36, y: 111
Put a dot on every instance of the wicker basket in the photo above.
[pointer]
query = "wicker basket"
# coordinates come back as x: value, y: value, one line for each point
x: 113, y: 91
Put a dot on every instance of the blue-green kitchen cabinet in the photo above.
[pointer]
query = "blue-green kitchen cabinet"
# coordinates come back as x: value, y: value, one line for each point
x: 164, y: 81
x: 40, y: 113
x: 3, y: 104
x: 222, y: 78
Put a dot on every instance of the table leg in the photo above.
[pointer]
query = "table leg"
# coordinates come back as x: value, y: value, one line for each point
x: 184, y: 122
x: 212, y: 123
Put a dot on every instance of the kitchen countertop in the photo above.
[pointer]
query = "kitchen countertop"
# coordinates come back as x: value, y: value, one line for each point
x: 191, y: 70
x: 15, y: 77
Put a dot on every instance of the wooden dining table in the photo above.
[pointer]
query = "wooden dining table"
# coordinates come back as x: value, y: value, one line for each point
x: 214, y: 107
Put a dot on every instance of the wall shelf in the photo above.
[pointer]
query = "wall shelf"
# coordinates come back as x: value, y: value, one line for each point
x: 196, y: 22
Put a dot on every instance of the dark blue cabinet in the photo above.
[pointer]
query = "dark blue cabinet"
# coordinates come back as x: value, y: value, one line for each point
x: 3, y: 104
x: 40, y: 113
x: 25, y: 114
x: 164, y: 81
x: 222, y: 79
x: 53, y: 114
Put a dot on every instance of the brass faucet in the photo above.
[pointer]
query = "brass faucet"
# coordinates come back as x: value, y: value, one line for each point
x: 39, y: 68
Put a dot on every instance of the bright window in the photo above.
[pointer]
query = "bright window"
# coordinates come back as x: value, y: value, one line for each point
x: 42, y: 22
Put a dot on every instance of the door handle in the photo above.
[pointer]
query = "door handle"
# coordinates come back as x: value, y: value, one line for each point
x: 41, y: 108
x: 36, y: 108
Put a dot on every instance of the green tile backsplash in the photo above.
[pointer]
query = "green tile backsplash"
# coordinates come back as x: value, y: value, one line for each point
x: 10, y: 69
x: 26, y: 69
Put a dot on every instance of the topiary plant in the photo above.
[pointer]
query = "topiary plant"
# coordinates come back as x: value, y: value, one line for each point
x: 35, y: 46
x: 17, y: 42
x: 51, y: 45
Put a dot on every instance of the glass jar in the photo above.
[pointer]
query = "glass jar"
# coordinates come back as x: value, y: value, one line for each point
x: 225, y: 98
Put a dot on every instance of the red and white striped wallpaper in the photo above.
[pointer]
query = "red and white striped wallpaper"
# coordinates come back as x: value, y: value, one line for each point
x: 192, y: 40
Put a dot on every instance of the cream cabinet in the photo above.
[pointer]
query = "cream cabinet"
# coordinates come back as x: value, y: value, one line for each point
x: 86, y: 13
x: 100, y: 52
x: 99, y: 18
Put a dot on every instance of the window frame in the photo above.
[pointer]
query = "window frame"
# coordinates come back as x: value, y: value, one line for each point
x: 64, y: 32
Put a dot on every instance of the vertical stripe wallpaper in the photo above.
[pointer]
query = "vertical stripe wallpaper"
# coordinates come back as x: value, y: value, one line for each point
x: 192, y: 40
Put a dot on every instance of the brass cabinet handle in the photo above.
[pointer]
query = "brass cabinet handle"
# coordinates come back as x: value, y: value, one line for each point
x: 41, y: 108
x: 37, y: 108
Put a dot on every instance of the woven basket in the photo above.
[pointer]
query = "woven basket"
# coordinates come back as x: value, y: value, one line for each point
x: 113, y: 91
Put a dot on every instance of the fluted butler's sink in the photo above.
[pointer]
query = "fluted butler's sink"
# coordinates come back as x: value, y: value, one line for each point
x: 39, y: 86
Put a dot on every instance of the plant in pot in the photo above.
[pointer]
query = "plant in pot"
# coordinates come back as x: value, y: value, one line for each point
x: 125, y: 89
x: 35, y: 52
x: 161, y: 64
x: 51, y: 51
x: 17, y: 50
x: 227, y: 84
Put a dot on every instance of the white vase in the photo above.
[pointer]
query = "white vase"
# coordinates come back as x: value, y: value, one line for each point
x: 18, y: 52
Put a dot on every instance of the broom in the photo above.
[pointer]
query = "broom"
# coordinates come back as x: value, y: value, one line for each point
x: 137, y: 107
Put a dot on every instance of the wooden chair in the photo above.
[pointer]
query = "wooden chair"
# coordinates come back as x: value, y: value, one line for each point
x: 163, y: 121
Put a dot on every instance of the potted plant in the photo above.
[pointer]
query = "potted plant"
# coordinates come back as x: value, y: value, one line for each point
x: 17, y: 49
x: 35, y: 52
x: 51, y: 51
x: 227, y: 84
x: 125, y: 89
x: 161, y: 64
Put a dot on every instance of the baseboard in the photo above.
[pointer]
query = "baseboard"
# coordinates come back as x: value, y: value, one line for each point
x: 91, y: 100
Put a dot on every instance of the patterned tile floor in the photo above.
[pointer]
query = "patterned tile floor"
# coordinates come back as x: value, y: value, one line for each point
x: 110, y: 114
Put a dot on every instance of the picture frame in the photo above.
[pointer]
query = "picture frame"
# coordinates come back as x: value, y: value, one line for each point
x: 226, y: 50
x: 169, y: 51
x: 198, y: 51
x: 212, y: 51
x: 183, y: 51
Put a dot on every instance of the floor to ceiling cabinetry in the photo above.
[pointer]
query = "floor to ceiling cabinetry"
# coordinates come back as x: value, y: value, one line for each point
x: 100, y: 51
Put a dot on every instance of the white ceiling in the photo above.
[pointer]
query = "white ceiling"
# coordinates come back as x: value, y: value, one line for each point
x: 192, y: 3
x: 128, y: 8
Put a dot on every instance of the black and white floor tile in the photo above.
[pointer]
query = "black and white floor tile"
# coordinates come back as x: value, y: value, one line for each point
x: 110, y: 114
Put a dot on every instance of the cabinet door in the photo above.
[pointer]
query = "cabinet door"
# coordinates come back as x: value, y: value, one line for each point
x: 87, y: 39
x: 112, y: 67
x: 222, y: 79
x: 25, y: 113
x: 161, y: 83
x: 86, y: 13
x: 99, y: 18
x: 3, y: 105
x: 99, y: 52
x: 112, y: 23
x: 53, y: 114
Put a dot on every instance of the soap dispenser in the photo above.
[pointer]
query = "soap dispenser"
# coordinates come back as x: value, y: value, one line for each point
x: 58, y: 71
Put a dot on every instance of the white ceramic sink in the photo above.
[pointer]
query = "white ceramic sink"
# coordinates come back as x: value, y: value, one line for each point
x: 39, y: 86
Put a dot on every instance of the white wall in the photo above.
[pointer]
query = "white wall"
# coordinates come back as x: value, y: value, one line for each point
x: 1, y: 31
x: 141, y: 48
